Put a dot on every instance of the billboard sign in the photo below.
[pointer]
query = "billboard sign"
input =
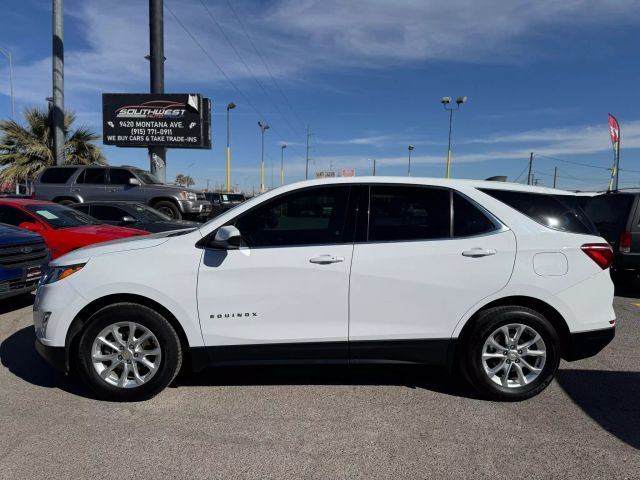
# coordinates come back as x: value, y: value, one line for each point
x: 166, y: 120
x: 325, y: 174
x: 348, y: 172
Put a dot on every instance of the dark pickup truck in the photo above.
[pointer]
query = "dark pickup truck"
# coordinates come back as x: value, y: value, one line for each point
x: 23, y: 259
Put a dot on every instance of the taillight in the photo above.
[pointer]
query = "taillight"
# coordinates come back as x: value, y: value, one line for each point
x: 625, y: 242
x: 601, y: 253
x: 33, y: 194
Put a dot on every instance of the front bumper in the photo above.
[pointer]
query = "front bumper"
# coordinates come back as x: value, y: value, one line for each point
x: 199, y: 207
x: 56, y: 356
x: 586, y: 344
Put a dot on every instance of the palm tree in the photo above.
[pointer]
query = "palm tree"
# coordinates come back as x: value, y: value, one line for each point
x: 26, y: 150
x: 179, y: 179
x: 184, y: 180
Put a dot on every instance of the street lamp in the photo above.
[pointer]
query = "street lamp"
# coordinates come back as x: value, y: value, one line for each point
x: 410, y: 148
x: 7, y: 53
x: 230, y: 106
x: 282, y: 147
x: 263, y: 126
x: 447, y: 101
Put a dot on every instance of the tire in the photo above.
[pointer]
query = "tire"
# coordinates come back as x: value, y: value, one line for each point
x: 168, y: 208
x: 118, y: 385
x: 65, y: 202
x: 479, y: 357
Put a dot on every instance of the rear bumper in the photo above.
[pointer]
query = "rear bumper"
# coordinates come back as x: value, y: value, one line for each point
x: 587, y: 344
x: 56, y: 356
x: 627, y: 261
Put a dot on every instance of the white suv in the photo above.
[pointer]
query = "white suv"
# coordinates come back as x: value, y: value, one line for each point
x: 500, y: 280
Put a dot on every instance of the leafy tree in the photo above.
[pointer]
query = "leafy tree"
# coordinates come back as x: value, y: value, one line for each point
x: 26, y: 150
x: 184, y: 180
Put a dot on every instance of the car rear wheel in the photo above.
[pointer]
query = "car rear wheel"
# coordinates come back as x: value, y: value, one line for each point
x: 128, y: 352
x: 512, y: 353
x: 65, y: 202
x: 169, y: 209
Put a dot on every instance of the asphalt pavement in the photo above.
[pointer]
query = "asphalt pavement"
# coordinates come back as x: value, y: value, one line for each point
x: 322, y: 422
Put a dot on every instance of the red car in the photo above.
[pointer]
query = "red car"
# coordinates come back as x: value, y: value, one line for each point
x: 63, y: 228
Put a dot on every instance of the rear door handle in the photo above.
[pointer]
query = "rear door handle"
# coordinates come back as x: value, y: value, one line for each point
x: 326, y: 259
x: 478, y: 252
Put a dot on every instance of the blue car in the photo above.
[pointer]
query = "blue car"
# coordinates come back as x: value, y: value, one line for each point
x: 23, y: 258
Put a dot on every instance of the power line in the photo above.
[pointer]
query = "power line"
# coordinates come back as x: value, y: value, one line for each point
x: 217, y: 65
x: 264, y: 62
x: 571, y: 162
x: 249, y: 69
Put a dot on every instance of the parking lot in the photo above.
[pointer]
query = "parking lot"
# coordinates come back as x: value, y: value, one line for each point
x: 322, y: 422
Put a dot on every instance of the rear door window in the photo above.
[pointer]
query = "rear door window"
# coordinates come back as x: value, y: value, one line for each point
x: 108, y: 213
x: 94, y: 176
x: 468, y: 219
x: 400, y: 213
x: 558, y: 212
x: 57, y: 175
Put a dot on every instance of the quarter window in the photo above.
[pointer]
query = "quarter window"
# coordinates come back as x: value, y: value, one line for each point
x: 409, y: 213
x: 468, y: 219
x: 309, y: 217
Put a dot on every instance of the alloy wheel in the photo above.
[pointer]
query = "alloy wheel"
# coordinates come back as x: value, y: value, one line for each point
x: 126, y: 354
x: 514, y: 355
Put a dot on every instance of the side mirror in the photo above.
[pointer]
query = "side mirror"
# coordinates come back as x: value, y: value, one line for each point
x: 32, y: 227
x: 134, y: 181
x: 227, y: 237
x: 128, y: 219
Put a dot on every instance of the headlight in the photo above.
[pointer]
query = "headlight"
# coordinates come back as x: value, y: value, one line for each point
x: 189, y: 196
x: 58, y: 273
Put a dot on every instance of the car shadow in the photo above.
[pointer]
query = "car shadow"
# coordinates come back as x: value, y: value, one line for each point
x: 16, y: 303
x: 19, y: 356
x: 410, y: 376
x: 612, y: 399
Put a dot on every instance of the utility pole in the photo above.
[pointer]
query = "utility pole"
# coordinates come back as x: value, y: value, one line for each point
x: 230, y: 106
x: 263, y: 127
x: 282, y: 147
x: 374, y: 167
x: 530, y: 175
x: 306, y: 169
x: 555, y: 176
x: 7, y: 53
x: 410, y: 148
x: 58, y: 83
x: 157, y: 155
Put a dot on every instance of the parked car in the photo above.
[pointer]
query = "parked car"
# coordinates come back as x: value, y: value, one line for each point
x: 221, y: 202
x: 500, y: 279
x: 78, y: 184
x: 132, y: 214
x: 23, y: 259
x: 63, y: 228
x: 616, y: 215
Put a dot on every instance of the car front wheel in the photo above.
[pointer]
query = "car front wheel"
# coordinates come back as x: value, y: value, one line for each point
x: 128, y: 352
x: 169, y: 209
x: 512, y: 353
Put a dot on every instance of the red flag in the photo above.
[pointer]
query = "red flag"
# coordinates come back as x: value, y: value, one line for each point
x: 614, y: 130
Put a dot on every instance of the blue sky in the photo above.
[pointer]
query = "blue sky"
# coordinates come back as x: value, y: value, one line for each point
x: 366, y: 76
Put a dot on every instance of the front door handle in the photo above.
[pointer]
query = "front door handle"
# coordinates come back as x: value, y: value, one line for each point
x: 478, y: 252
x: 326, y: 259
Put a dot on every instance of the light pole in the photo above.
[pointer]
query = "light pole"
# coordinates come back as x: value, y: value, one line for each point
x: 447, y: 101
x: 230, y: 106
x: 410, y: 148
x: 282, y: 147
x: 7, y: 53
x: 263, y: 126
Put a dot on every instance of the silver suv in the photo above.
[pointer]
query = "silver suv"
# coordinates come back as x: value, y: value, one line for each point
x: 79, y: 184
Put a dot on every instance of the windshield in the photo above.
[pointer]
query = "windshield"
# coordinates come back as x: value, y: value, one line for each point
x: 148, y: 214
x: 146, y: 177
x: 233, y: 197
x: 59, y: 216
